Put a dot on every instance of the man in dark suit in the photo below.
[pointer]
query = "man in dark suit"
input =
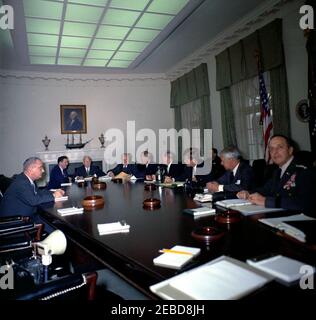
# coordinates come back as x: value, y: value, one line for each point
x: 146, y: 169
x: 125, y: 166
x: 291, y: 186
x: 172, y: 171
x: 87, y: 169
x: 238, y: 175
x: 59, y: 174
x: 22, y: 196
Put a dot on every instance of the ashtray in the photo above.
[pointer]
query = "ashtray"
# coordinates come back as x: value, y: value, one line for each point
x: 99, y: 185
x: 117, y: 180
x: 228, y: 216
x: 150, y: 187
x: 151, y: 203
x: 93, y: 202
x: 207, y: 234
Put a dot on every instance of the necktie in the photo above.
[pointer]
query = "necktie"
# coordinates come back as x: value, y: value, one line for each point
x: 88, y: 171
x: 34, y: 187
x: 231, y: 177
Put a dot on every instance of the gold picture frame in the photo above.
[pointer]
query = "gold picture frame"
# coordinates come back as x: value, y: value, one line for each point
x: 73, y: 118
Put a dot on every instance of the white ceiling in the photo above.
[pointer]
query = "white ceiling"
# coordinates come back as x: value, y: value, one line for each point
x: 199, y: 27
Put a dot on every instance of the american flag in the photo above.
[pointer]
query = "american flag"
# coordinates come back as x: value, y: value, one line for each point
x: 266, y: 118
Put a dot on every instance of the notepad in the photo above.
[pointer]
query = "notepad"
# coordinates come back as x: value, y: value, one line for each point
x: 202, y: 211
x: 105, y: 178
x: 281, y: 267
x: 203, y: 197
x: 232, y: 203
x: 114, y: 227
x: 222, y: 279
x: 176, y: 260
x: 70, y: 211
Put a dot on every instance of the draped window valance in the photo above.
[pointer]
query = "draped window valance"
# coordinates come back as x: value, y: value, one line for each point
x: 238, y: 62
x: 191, y: 86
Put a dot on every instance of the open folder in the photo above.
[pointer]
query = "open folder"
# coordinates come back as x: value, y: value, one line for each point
x: 222, y: 279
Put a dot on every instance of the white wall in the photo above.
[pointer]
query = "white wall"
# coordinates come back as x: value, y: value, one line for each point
x: 30, y: 109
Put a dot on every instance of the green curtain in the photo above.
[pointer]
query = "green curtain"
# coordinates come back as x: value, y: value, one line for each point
x: 191, y: 86
x: 228, y: 125
x: 279, y: 101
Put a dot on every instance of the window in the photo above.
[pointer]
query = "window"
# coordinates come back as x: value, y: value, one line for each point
x: 246, y: 107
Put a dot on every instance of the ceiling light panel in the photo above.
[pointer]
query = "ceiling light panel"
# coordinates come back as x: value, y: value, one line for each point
x: 82, y: 13
x: 72, y: 53
x: 100, y: 3
x: 95, y: 33
x: 143, y: 34
x: 42, y: 26
x: 128, y: 4
x: 100, y: 54
x: 78, y: 29
x: 154, y: 21
x: 42, y: 51
x: 95, y: 63
x: 112, y: 32
x: 75, y: 42
x: 43, y: 9
x: 42, y: 60
x: 167, y: 6
x: 120, y: 17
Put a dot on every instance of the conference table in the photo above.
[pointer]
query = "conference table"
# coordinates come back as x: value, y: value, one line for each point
x: 131, y: 254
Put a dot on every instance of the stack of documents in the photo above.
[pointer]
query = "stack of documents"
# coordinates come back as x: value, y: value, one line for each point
x: 176, y: 257
x: 70, y: 211
x: 200, y: 211
x: 203, y: 197
x: 114, y: 227
x: 283, y: 268
x: 280, y: 223
x: 245, y: 207
x: 64, y: 198
x: 222, y: 279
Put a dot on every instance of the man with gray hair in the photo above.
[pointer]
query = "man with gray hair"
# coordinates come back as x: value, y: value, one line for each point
x: 23, y: 197
x: 87, y: 169
x: 238, y: 173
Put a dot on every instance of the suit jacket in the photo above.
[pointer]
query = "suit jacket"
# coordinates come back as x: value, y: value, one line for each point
x: 243, y: 179
x: 131, y: 169
x: 176, y: 170
x: 142, y: 171
x: 57, y: 177
x: 294, y: 191
x: 81, y: 171
x: 22, y: 198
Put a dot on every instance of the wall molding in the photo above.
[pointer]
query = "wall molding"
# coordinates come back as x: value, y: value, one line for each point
x: 254, y: 20
x: 22, y: 75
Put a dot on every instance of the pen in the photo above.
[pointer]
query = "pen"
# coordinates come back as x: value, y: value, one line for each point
x: 175, y: 251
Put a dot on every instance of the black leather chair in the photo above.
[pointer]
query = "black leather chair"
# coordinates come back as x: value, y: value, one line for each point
x: 258, y: 167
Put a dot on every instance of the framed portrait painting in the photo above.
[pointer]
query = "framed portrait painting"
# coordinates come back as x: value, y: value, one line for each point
x: 73, y: 119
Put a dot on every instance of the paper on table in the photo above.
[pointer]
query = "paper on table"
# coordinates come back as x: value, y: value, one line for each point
x: 105, y: 178
x: 66, y: 184
x: 114, y: 227
x: 70, y: 211
x: 223, y: 278
x: 201, y: 197
x: 176, y: 260
x: 281, y: 267
x: 280, y: 223
x: 64, y: 198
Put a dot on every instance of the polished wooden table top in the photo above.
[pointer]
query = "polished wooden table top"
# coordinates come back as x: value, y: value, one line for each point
x: 131, y: 254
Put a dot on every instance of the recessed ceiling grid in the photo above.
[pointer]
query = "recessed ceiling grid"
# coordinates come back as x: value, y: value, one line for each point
x: 94, y: 33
